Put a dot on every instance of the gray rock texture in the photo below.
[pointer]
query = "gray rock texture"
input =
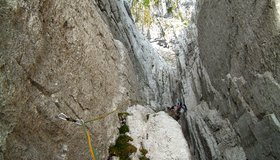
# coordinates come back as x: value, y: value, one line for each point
x: 57, y: 58
x: 230, y: 78
x: 164, y: 23
x: 154, y: 75
x: 86, y: 58
x: 81, y: 58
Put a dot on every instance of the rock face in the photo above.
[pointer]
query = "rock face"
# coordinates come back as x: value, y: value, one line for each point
x: 230, y: 77
x: 160, y: 134
x: 55, y: 57
x: 86, y: 58
x: 62, y: 57
x: 162, y: 21
x: 156, y: 78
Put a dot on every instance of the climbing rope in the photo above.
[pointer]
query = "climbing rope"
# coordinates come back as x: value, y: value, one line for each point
x: 101, y: 116
x: 90, y: 146
x: 91, y: 150
x: 80, y: 122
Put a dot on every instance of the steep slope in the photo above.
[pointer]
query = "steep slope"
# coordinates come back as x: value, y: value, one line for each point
x: 230, y: 77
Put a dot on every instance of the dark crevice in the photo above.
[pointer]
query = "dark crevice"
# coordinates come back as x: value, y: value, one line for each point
x: 204, y: 144
x: 80, y: 105
x: 73, y: 111
x: 41, y: 88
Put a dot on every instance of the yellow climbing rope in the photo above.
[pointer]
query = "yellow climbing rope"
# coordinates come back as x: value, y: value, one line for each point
x: 90, y: 146
x: 101, y: 116
x: 88, y: 134
x: 81, y: 122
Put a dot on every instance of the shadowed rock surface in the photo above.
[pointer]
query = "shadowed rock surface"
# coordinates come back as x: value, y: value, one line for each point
x: 230, y: 77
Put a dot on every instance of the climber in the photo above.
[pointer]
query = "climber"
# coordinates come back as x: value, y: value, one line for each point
x: 171, y: 111
x: 178, y: 106
x: 174, y: 112
x: 182, y: 108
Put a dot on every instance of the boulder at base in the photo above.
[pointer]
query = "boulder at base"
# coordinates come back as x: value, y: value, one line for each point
x: 158, y: 133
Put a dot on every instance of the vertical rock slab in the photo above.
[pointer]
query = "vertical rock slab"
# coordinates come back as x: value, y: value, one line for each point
x: 232, y: 64
x: 155, y: 76
x: 58, y: 56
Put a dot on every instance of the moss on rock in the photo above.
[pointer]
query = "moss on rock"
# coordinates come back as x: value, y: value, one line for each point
x: 123, y: 148
x: 123, y: 129
x: 143, y: 152
x: 123, y: 114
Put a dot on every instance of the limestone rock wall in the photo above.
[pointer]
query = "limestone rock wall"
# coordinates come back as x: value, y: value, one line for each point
x: 59, y: 56
x: 81, y: 58
x: 162, y: 22
x: 155, y: 76
x: 230, y: 77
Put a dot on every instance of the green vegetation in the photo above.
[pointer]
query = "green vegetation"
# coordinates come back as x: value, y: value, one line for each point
x: 146, y: 3
x: 123, y: 114
x: 143, y: 156
x: 142, y: 12
x: 122, y: 148
x: 186, y: 22
x: 123, y: 129
x: 181, y: 16
x: 169, y: 10
x: 157, y: 2
x: 143, y: 151
x: 147, y: 17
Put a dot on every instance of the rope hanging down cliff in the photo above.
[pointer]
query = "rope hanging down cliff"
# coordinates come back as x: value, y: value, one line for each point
x: 81, y: 122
